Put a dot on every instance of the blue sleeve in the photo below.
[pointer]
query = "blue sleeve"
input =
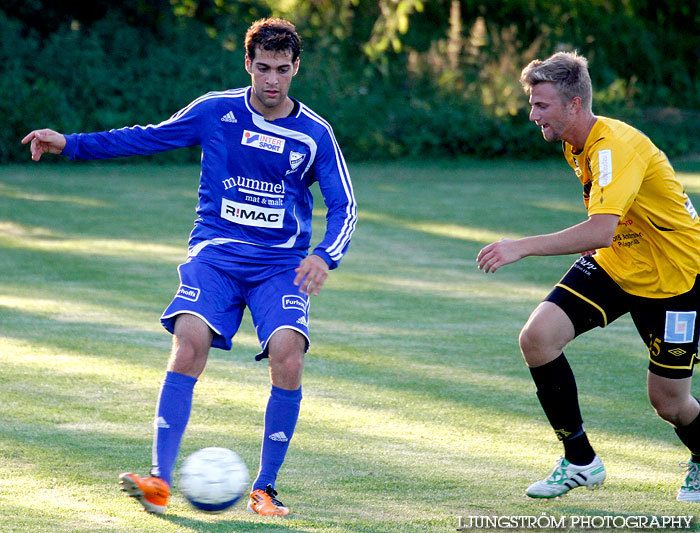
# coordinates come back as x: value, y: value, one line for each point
x: 182, y: 129
x: 334, y: 180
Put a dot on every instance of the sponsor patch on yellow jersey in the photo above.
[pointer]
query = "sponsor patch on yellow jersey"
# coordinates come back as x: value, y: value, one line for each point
x: 656, y: 248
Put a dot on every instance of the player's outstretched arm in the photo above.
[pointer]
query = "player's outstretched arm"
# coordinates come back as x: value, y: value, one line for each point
x: 596, y: 232
x: 311, y: 274
x: 43, y: 141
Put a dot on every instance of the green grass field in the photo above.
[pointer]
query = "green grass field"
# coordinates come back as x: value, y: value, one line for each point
x: 417, y: 406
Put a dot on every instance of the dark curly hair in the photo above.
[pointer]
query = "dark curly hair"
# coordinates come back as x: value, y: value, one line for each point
x: 274, y: 34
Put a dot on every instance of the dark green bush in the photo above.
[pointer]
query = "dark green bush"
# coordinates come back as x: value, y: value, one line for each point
x: 114, y: 72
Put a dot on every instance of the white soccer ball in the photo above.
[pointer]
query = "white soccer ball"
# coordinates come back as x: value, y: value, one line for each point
x: 213, y: 479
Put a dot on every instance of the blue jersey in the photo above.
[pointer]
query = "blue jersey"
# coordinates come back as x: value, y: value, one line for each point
x: 254, y: 199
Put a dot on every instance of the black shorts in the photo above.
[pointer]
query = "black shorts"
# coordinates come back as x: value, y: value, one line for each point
x: 668, y: 326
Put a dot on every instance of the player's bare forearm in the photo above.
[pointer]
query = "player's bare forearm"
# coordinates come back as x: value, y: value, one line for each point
x: 311, y: 275
x: 596, y: 232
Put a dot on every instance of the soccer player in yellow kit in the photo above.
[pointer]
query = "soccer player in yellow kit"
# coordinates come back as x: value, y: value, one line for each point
x: 640, y: 251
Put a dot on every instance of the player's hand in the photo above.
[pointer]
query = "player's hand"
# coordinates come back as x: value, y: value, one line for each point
x: 311, y: 275
x: 498, y: 254
x: 43, y: 141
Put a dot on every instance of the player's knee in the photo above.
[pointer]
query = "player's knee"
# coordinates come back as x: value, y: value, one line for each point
x: 286, y: 370
x: 532, y: 340
x: 287, y: 357
x: 537, y: 346
x: 669, y: 408
x: 286, y: 351
x: 187, y: 358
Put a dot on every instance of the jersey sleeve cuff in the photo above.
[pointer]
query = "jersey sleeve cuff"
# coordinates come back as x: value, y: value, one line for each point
x: 327, y: 258
x: 606, y: 211
x: 71, y: 146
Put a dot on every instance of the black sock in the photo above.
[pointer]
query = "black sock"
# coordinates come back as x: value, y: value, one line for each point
x: 577, y: 450
x: 558, y: 395
x: 690, y: 436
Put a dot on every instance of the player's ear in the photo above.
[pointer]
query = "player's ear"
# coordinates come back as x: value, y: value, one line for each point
x: 575, y: 103
x: 248, y: 64
x: 296, y: 67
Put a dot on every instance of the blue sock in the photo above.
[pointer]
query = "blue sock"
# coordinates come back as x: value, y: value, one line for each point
x: 172, y: 414
x: 280, y: 420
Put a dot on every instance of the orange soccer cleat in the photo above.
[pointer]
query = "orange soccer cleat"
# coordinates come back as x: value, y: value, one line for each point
x: 152, y: 492
x: 263, y: 502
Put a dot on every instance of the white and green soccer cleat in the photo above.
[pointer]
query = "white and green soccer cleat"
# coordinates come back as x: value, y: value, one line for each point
x: 567, y: 476
x: 690, y: 490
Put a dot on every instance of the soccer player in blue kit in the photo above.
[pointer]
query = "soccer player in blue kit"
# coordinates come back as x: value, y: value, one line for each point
x: 261, y: 151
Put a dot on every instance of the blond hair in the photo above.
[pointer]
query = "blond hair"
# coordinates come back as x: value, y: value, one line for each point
x: 568, y: 71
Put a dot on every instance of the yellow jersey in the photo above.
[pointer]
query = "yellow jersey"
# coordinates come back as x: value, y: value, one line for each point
x: 655, y: 251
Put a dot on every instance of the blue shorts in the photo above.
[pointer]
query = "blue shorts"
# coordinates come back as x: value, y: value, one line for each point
x: 218, y: 293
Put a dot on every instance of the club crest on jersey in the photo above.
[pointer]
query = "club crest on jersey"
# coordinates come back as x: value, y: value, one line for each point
x: 188, y: 293
x: 296, y: 159
x: 292, y: 301
x: 262, y: 141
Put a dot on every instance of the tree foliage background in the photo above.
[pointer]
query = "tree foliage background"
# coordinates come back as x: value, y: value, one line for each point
x: 409, y: 78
